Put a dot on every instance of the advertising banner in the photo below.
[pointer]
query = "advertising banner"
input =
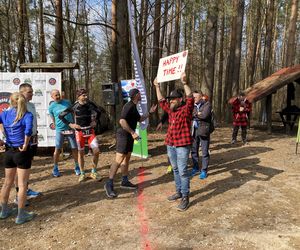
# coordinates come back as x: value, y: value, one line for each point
x: 171, y: 67
x: 42, y: 84
x: 138, y: 72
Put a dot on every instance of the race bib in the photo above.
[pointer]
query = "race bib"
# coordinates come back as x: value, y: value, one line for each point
x: 86, y: 132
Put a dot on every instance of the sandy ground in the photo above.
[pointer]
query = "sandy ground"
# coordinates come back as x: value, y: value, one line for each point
x: 249, y: 201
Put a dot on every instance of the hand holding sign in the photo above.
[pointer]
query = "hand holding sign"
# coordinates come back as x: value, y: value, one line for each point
x: 171, y: 67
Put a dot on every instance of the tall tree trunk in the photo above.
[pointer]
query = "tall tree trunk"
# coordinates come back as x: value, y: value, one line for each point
x: 176, y: 35
x: 238, y: 45
x: 210, y: 49
x: 221, y: 63
x: 291, y: 43
x: 28, y: 36
x: 21, y: 33
x: 123, y: 44
x: 290, y: 53
x: 114, y: 58
x: 230, y: 61
x: 267, y: 103
x: 155, y: 54
x: 42, y: 44
x: 253, y: 42
x: 58, y: 38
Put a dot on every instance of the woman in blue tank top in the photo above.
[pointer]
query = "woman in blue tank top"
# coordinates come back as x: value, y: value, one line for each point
x: 17, y: 124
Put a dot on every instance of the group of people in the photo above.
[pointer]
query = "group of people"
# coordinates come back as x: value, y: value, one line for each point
x: 189, y: 116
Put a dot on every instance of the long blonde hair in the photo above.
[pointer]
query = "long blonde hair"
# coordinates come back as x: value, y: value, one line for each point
x: 18, y: 102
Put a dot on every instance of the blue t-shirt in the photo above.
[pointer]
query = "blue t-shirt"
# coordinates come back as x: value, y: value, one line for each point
x: 15, y: 133
x: 55, y: 109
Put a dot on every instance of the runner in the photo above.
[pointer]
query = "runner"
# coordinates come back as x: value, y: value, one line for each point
x: 62, y: 131
x: 85, y: 114
x: 125, y: 138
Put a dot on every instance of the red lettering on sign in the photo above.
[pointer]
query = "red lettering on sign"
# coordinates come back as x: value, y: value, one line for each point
x: 170, y: 71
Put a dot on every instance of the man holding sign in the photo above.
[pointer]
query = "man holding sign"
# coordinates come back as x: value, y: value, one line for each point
x: 178, y: 139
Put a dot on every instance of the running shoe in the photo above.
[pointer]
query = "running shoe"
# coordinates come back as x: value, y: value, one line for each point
x: 95, y: 176
x: 8, y: 212
x: 128, y: 185
x: 203, y: 175
x: 27, y: 216
x: 77, y: 170
x: 32, y: 194
x: 82, y: 177
x: 55, y: 172
x: 109, y: 189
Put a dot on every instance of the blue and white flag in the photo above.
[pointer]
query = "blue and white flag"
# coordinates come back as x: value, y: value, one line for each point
x: 138, y: 73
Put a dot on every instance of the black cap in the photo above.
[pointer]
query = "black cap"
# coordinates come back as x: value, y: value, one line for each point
x: 175, y: 94
x: 133, y: 92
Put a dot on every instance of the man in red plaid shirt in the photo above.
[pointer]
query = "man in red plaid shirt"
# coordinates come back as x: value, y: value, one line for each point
x: 241, y: 109
x: 178, y: 139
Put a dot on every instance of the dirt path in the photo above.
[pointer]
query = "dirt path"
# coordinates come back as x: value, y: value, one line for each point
x: 249, y: 201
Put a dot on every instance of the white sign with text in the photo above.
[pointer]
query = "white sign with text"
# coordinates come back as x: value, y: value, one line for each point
x: 42, y: 84
x: 171, y: 67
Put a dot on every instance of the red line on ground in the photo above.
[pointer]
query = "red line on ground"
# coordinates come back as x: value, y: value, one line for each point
x: 144, y: 229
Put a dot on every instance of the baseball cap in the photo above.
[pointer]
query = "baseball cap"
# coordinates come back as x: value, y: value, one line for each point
x: 175, y: 94
x: 133, y: 92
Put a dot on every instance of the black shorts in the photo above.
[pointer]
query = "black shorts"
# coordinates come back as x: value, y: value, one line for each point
x: 124, y: 142
x: 14, y: 158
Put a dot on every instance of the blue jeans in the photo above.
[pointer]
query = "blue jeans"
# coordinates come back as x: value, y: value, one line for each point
x: 178, y: 158
x: 205, y: 153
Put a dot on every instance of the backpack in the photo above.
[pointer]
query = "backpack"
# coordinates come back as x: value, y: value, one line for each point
x: 213, y: 122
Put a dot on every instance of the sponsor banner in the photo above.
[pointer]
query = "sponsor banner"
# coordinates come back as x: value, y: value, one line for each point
x: 127, y: 85
x: 171, y: 67
x: 4, y: 100
x: 140, y: 147
x: 138, y: 73
x: 42, y: 84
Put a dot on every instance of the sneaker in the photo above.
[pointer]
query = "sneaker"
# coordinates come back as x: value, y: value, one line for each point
x: 32, y: 194
x: 55, y: 172
x: 128, y: 185
x: 8, y: 212
x: 109, y: 189
x: 203, y: 175
x: 82, y: 177
x: 184, y: 204
x: 233, y: 141
x: 174, y: 197
x: 169, y: 169
x: 28, y: 216
x: 95, y: 176
x: 77, y: 170
x: 194, y: 171
x: 16, y: 202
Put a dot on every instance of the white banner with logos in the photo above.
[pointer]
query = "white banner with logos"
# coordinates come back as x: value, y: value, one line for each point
x: 171, y: 67
x: 42, y: 84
